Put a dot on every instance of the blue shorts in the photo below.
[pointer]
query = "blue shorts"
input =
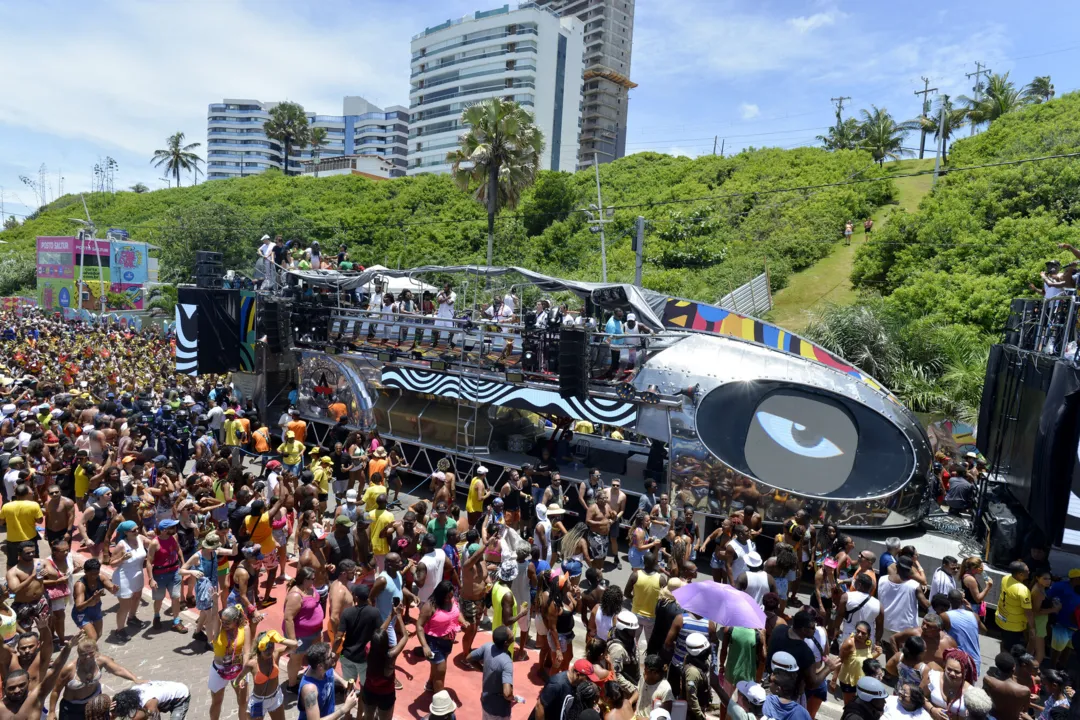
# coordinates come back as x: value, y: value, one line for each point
x: 167, y: 582
x: 1061, y: 637
x: 441, y: 648
x: 91, y: 614
x: 821, y: 692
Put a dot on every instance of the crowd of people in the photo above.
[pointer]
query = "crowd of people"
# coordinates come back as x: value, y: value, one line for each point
x: 143, y: 480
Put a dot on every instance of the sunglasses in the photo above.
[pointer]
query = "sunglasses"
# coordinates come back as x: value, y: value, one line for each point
x: 54, y: 494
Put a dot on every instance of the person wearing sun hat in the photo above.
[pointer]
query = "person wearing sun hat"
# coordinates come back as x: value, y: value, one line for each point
x: 504, y: 606
x: 442, y: 707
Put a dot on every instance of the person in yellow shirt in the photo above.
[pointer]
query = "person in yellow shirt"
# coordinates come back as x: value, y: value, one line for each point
x: 21, y: 516
x: 323, y: 470
x: 373, y: 491
x: 382, y: 523
x: 292, y: 453
x: 1014, y: 616
x: 474, y: 503
x: 231, y: 429
x: 82, y: 478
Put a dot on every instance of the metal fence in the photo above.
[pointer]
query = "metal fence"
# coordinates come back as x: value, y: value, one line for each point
x: 753, y: 298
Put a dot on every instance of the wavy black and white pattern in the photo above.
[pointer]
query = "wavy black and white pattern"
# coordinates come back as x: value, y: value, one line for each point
x: 606, y: 412
x: 187, y: 339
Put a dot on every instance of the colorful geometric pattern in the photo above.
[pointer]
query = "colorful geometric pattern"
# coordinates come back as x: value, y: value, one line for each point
x: 689, y: 315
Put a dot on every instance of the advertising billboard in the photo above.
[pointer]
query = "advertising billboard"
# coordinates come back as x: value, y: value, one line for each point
x: 56, y: 257
x: 129, y: 263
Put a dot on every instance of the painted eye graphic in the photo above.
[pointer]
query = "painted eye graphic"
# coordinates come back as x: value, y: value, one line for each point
x: 797, y: 438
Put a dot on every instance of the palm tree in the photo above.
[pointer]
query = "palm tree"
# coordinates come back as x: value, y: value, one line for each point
x: 1000, y: 97
x: 1039, y: 90
x: 499, y: 156
x: 318, y: 142
x: 955, y: 118
x: 177, y: 156
x: 844, y: 136
x: 881, y: 135
x: 289, y: 126
x: 139, y: 188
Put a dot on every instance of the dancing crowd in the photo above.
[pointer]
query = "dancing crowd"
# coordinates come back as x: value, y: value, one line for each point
x: 121, y: 477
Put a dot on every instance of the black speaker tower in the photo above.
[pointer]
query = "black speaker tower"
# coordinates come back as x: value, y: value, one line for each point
x: 209, y: 271
x: 573, y: 363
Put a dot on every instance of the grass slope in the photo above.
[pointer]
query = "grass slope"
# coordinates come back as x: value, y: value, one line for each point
x: 829, y: 280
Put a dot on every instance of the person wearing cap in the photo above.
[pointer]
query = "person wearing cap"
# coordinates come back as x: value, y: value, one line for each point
x: 323, y: 470
x: 869, y: 702
x: 623, y: 651
x: 558, y: 689
x: 164, y: 555
x: 129, y: 560
x: 745, y: 703
x: 341, y: 545
x: 95, y: 520
x: 292, y: 453
x: 695, y: 680
x: 1065, y: 593
x: 203, y: 567
x: 380, y: 530
x: 349, y: 508
x: 474, y: 503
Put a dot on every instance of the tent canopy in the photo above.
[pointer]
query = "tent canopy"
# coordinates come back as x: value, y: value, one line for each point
x: 396, y: 283
x: 646, y: 304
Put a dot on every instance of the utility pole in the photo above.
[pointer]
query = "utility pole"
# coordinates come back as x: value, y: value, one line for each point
x: 600, y: 210
x: 925, y: 92
x: 980, y: 70
x: 639, y: 249
x: 715, y: 138
x: 839, y: 107
x: 722, y: 147
x: 941, y: 138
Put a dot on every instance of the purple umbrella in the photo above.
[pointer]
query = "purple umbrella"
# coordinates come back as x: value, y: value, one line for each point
x: 723, y: 604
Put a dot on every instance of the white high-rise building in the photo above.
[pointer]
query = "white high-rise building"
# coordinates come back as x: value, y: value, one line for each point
x: 237, y: 145
x: 527, y: 54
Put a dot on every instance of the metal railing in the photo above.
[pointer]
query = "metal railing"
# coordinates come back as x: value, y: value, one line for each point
x: 1048, y: 326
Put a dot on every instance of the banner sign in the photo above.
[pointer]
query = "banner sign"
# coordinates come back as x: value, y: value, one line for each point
x: 55, y: 257
x: 129, y: 263
x: 91, y: 247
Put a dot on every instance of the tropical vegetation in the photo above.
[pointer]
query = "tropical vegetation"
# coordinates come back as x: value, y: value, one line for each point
x: 177, y: 157
x: 288, y: 124
x: 498, y: 157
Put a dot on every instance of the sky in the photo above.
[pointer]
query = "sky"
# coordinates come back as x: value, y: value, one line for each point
x: 82, y: 80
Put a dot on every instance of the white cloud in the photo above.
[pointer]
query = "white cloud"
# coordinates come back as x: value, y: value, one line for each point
x: 813, y: 22
x: 749, y: 111
x: 155, y: 67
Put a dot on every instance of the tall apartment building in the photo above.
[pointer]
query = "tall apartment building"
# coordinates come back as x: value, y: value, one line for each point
x: 527, y: 54
x: 237, y: 145
x: 609, y: 35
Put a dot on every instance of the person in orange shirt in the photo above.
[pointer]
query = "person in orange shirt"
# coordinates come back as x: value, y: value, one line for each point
x: 378, y: 463
x: 337, y: 410
x: 245, y: 426
x: 261, y: 439
x: 298, y: 426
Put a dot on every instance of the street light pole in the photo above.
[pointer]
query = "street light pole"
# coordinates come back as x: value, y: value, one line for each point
x: 600, y: 206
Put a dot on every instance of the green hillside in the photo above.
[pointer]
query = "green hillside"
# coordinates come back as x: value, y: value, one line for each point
x: 699, y: 249
x: 983, y: 235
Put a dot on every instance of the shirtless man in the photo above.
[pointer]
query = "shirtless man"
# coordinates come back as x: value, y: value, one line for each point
x: 30, y: 648
x: 59, y: 516
x: 1011, y: 698
x: 25, y: 700
x: 937, y: 642
x: 315, y: 558
x: 340, y: 597
x: 617, y: 502
x: 599, y: 518
x: 26, y: 580
x: 474, y: 586
x: 446, y: 492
